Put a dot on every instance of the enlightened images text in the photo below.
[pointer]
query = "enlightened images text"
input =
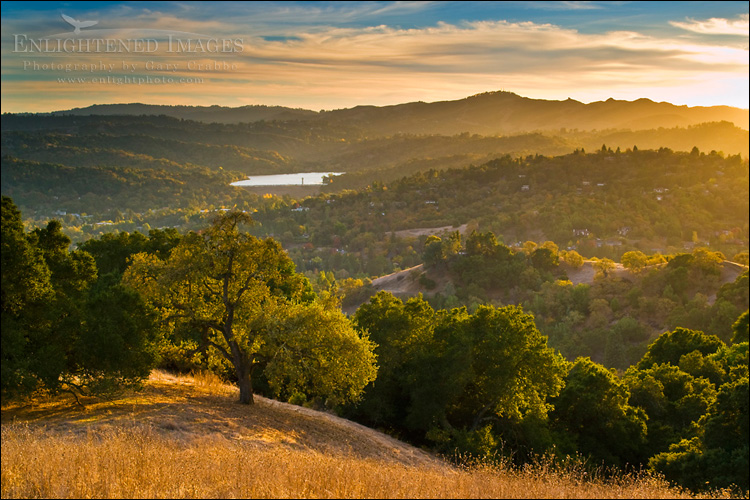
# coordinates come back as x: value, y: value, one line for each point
x: 24, y: 44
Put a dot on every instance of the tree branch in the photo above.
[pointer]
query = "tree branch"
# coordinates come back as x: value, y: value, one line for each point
x: 208, y: 287
x: 70, y: 388
x: 223, y: 351
x: 227, y: 277
x: 480, y: 417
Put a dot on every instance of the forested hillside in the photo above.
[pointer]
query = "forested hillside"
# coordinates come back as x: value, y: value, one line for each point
x: 167, y: 170
x: 488, y: 114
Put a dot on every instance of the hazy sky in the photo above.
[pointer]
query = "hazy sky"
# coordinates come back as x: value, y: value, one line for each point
x: 328, y: 55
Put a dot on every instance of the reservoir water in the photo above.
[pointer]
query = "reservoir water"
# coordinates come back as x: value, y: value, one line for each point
x: 301, y: 179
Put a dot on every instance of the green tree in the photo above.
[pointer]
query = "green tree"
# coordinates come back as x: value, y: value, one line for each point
x: 514, y: 369
x: 118, y: 345
x: 592, y: 416
x: 317, y: 354
x: 707, y: 260
x: 481, y: 244
x: 741, y: 329
x: 604, y: 267
x: 457, y: 379
x: 85, y: 336
x: 544, y: 259
x: 669, y: 347
x: 26, y: 290
x: 401, y: 331
x: 673, y: 400
x: 485, y: 379
x: 742, y: 258
x: 634, y: 260
x: 241, y: 296
x: 572, y: 258
x: 719, y: 457
x: 433, y: 251
x: 107, y: 332
x: 112, y: 250
x: 452, y: 245
x: 732, y: 361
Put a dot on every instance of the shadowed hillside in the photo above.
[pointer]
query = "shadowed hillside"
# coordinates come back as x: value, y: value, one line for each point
x: 506, y: 112
x: 488, y: 113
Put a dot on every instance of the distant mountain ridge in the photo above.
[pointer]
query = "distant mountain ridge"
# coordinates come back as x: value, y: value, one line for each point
x: 505, y: 112
x: 208, y: 114
x: 490, y: 113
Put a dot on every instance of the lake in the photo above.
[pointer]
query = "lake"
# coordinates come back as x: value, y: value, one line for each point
x: 301, y: 179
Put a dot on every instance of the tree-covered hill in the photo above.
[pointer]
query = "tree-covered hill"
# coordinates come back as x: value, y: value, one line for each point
x: 596, y: 202
x: 124, y: 150
x: 489, y: 113
x: 51, y: 190
x: 208, y: 114
x: 506, y: 112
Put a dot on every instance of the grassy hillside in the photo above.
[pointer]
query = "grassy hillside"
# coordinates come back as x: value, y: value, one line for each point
x: 186, y: 437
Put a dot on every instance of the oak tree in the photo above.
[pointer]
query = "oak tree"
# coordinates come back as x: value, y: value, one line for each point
x: 240, y: 296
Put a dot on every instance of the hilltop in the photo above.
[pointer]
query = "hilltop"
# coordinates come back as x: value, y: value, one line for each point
x: 189, y: 407
x: 185, y: 437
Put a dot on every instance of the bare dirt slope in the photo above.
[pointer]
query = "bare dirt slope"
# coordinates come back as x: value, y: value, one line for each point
x: 427, y: 231
x: 185, y: 407
x: 585, y: 273
x: 406, y: 282
x: 730, y: 271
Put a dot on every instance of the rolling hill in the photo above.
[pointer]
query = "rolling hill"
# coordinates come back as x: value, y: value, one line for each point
x: 185, y: 437
x: 209, y: 114
x: 489, y: 113
x: 506, y: 113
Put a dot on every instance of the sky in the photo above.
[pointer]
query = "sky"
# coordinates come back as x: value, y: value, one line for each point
x: 332, y: 55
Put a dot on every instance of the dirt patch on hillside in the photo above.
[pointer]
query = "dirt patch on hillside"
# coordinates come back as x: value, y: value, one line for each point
x: 407, y: 283
x: 587, y: 272
x: 401, y: 282
x: 427, y: 231
x: 729, y: 273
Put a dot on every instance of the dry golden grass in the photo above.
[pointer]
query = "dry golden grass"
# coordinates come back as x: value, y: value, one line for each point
x: 184, y: 437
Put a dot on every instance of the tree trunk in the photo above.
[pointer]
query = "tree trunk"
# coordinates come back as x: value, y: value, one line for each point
x: 245, y: 383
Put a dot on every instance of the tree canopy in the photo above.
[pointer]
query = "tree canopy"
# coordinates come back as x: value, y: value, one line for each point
x: 63, y: 328
x: 240, y: 296
x: 593, y: 411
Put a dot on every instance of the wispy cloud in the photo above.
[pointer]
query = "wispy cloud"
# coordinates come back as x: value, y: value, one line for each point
x: 305, y: 56
x: 717, y: 26
x: 567, y: 5
x: 495, y: 47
